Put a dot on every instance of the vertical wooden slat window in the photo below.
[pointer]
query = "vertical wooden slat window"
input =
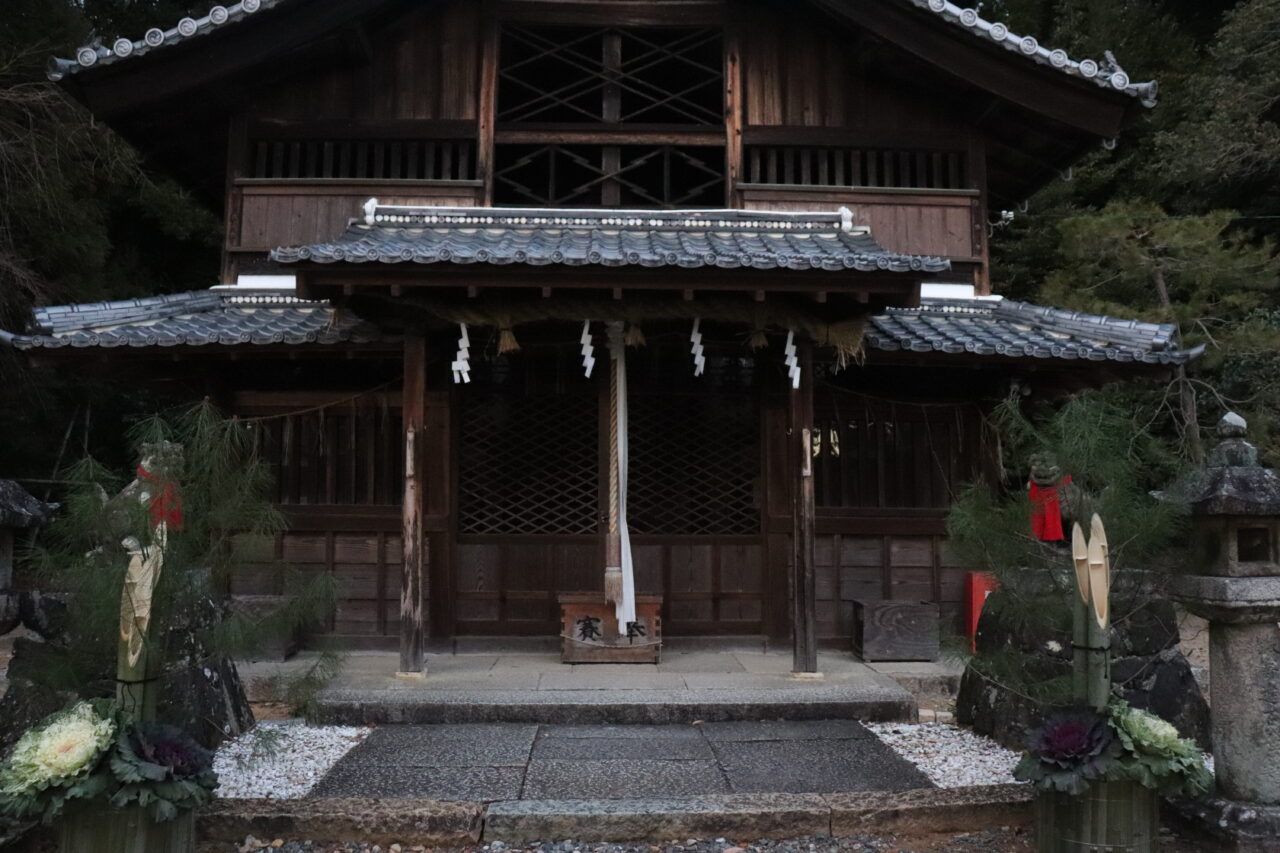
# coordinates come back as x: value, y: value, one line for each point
x: 877, y: 454
x: 343, y: 456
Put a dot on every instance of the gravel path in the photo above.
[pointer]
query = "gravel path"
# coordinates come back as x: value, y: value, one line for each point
x: 950, y: 756
x: 281, y: 760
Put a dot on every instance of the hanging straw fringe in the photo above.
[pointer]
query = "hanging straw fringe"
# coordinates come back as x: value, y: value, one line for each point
x: 507, y: 342
x: 844, y: 336
x: 634, y: 336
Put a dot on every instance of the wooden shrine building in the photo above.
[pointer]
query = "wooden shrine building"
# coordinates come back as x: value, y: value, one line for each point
x: 529, y: 292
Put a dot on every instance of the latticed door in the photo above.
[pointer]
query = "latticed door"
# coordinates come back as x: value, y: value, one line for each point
x: 528, y: 492
x: 532, y: 469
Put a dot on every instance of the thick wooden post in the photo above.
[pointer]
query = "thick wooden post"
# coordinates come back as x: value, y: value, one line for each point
x: 413, y: 594
x: 803, y: 599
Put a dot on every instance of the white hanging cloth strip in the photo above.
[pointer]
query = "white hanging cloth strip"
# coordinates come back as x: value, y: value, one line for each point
x: 625, y: 606
x: 462, y: 363
x: 793, y: 361
x: 588, y: 360
x: 695, y: 339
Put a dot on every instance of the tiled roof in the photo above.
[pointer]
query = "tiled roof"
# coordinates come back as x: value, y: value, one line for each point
x: 96, y: 53
x: 994, y: 326
x: 729, y: 239
x: 221, y: 316
x: 20, y: 509
x: 1106, y: 73
x: 982, y: 326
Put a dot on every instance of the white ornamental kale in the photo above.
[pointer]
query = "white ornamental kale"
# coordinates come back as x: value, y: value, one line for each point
x: 1145, y: 732
x: 64, y: 748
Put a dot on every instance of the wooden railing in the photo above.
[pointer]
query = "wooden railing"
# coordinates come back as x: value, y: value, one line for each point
x: 946, y: 223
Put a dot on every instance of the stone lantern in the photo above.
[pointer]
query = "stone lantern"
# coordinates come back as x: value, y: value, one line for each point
x: 1235, y: 511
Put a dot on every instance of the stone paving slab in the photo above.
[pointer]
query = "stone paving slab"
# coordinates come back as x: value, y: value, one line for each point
x: 701, y: 662
x: 639, y: 732
x: 483, y: 784
x: 493, y: 745
x: 815, y: 766
x: 585, y: 678
x: 562, y: 779
x: 612, y: 748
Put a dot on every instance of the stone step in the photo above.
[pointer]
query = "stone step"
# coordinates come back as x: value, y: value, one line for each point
x: 928, y: 812
x: 877, y: 700
x: 752, y: 816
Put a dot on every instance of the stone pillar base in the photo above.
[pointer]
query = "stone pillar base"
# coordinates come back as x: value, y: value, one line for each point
x: 1238, y: 827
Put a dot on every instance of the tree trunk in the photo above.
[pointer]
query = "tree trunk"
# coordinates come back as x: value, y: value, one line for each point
x: 1186, y: 394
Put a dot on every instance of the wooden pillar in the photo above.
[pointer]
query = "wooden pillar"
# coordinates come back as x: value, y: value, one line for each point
x: 413, y: 582
x: 803, y: 598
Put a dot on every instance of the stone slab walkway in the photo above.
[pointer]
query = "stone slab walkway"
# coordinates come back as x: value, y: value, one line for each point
x: 492, y: 762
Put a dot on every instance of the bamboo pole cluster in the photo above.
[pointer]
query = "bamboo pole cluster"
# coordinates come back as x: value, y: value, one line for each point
x: 1091, y: 629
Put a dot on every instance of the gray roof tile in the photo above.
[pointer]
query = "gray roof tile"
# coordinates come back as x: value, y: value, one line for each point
x: 994, y: 326
x: 729, y: 239
x: 987, y: 326
x: 223, y: 316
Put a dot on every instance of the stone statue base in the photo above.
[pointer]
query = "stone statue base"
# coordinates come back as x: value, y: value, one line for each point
x: 1237, y: 827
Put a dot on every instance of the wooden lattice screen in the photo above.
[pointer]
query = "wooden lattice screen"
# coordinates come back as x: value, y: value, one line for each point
x: 629, y: 75
x: 695, y: 462
x: 644, y: 176
x: 528, y: 463
x: 529, y: 448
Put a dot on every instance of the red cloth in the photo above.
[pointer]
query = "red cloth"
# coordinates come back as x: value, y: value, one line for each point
x: 165, y: 506
x: 1046, y: 511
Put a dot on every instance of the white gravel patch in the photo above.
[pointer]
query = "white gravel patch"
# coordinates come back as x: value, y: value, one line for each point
x: 950, y: 756
x: 281, y: 760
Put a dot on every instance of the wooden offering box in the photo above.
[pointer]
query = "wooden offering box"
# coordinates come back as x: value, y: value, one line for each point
x: 589, y: 631
x: 895, y: 630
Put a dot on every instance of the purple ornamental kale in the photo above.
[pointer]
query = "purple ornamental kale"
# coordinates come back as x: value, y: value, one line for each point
x: 1072, y: 739
x: 168, y: 746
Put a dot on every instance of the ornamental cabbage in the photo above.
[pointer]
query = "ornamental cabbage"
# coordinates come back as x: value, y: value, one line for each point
x: 1072, y: 749
x: 64, y: 748
x: 1145, y: 732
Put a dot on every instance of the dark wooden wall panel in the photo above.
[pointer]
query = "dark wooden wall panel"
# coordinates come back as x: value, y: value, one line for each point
x: 799, y: 69
x: 864, y: 567
x: 424, y: 66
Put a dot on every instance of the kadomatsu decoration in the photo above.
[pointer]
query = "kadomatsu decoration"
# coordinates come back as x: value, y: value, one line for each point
x: 1100, y: 768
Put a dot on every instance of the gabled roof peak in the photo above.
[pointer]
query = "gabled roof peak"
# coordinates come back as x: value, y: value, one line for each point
x: 1106, y: 73
x: 96, y: 53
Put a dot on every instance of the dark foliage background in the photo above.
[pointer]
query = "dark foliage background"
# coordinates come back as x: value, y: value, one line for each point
x: 1175, y: 224
x: 82, y: 218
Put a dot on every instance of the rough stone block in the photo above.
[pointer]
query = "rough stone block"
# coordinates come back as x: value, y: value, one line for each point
x: 932, y: 810
x: 329, y: 821
x: 739, y: 816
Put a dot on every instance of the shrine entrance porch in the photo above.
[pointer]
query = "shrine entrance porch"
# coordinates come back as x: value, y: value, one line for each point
x: 684, y: 687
